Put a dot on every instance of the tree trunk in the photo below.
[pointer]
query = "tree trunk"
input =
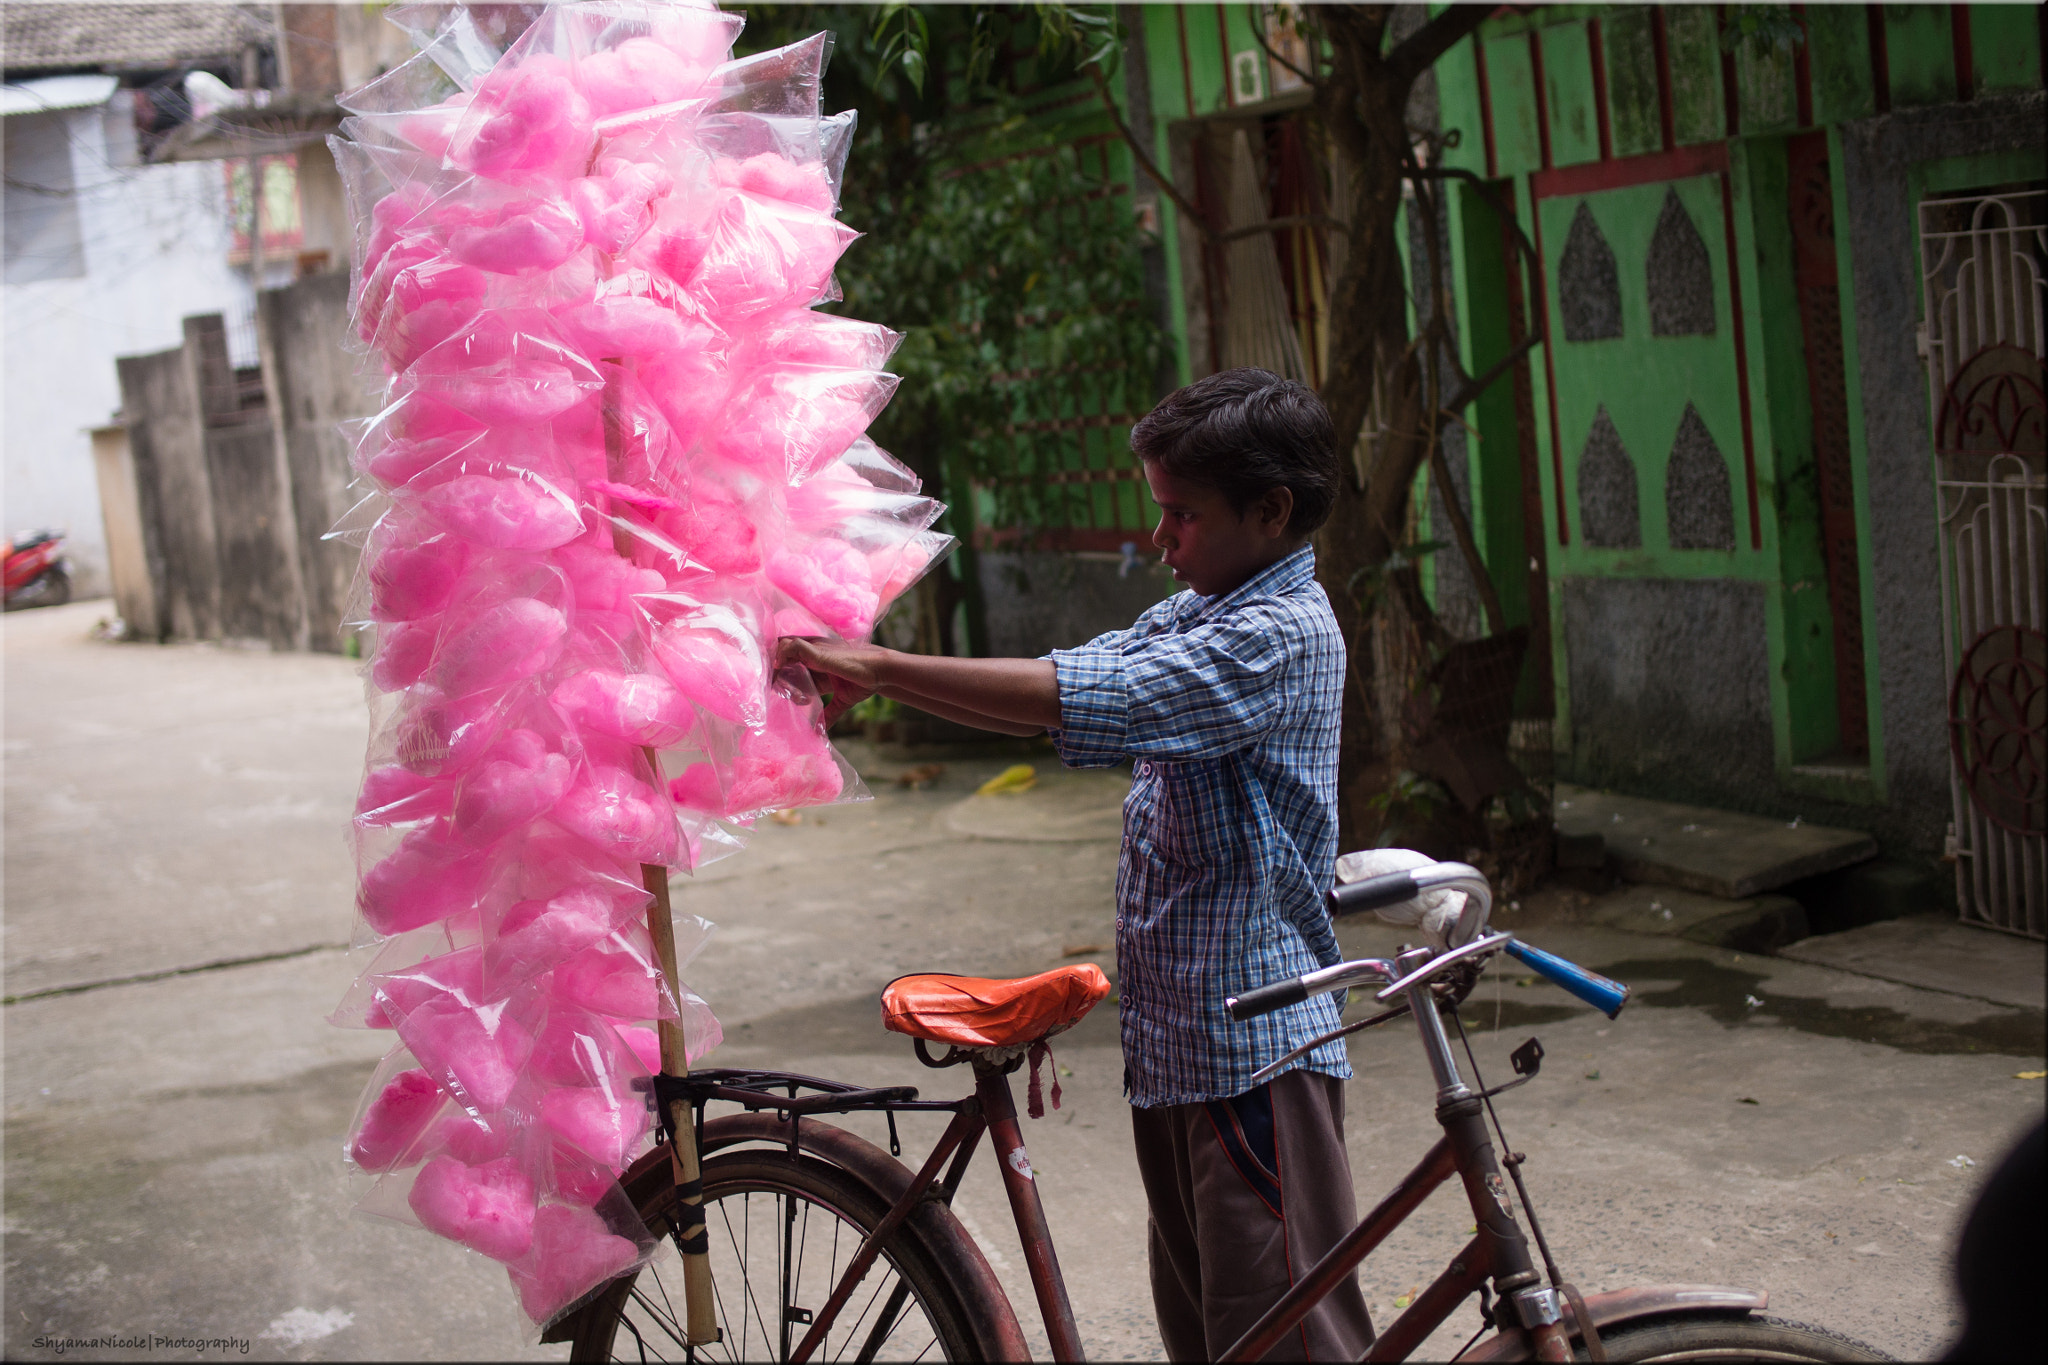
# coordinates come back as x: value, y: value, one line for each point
x: 1362, y: 104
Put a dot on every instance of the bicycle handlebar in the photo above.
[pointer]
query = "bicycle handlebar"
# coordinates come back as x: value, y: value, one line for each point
x: 1266, y: 999
x: 1389, y: 888
x: 1602, y: 993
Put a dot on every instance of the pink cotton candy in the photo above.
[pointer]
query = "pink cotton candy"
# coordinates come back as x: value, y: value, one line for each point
x: 404, y: 653
x: 786, y: 763
x: 514, y: 639
x: 504, y: 514
x: 439, y: 735
x: 427, y: 878
x: 487, y: 1208
x: 393, y: 794
x: 482, y: 1049
x: 535, y: 935
x: 646, y: 1045
x: 639, y: 708
x: 531, y: 236
x: 716, y: 664
x: 767, y: 254
x: 793, y: 423
x: 691, y: 388
x: 593, y: 1121
x: 616, y: 985
x: 774, y: 177
x: 637, y: 73
x: 396, y: 1120
x: 628, y: 327
x: 830, y: 579
x: 535, y: 123
x: 573, y: 1253
x: 616, y: 206
x: 715, y: 531
x: 501, y: 795
x: 455, y: 978
x: 467, y: 1140
x: 413, y: 580
x: 618, y: 813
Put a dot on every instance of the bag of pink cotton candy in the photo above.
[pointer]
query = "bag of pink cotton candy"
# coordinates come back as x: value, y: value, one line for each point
x: 618, y: 455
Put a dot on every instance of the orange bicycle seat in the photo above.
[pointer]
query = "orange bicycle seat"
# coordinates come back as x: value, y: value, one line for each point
x: 968, y: 1011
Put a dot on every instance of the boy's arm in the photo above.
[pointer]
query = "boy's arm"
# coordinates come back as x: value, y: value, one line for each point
x: 1012, y: 696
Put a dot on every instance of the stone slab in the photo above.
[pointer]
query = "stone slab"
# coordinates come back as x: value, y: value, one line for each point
x: 1937, y: 953
x: 1721, y: 853
x: 1758, y: 924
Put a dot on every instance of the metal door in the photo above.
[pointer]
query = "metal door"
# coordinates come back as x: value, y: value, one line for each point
x: 1986, y: 302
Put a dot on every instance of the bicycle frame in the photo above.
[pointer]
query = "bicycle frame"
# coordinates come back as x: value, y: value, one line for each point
x: 991, y: 1109
x: 1498, y: 1251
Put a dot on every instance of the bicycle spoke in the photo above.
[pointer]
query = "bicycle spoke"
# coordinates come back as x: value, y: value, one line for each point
x: 886, y: 1326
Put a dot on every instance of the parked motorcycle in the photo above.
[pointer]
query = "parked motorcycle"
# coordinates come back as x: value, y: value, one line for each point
x: 38, y: 574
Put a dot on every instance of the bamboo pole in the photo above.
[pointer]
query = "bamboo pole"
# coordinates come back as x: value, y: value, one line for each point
x: 700, y: 1310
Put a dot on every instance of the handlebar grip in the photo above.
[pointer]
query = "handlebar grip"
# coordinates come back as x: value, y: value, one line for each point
x: 1389, y: 888
x: 1266, y: 999
x: 1602, y: 993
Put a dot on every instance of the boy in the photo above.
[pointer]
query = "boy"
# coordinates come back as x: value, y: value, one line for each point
x: 1227, y: 696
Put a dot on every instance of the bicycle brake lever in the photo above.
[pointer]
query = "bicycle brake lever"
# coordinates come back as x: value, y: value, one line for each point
x: 1442, y: 960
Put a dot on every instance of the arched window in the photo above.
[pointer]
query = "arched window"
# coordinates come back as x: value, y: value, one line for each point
x: 1588, y: 284
x: 1699, y: 509
x: 1681, y: 277
x: 1607, y: 489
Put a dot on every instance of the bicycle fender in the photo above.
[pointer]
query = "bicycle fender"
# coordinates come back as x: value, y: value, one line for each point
x: 1617, y: 1307
x: 994, y: 1321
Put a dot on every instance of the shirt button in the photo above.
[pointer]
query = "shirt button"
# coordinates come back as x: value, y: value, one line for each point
x: 1144, y: 770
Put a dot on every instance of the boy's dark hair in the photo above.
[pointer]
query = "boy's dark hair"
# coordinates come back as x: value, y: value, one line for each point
x: 1244, y: 432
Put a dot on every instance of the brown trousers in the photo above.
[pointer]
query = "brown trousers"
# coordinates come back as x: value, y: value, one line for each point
x: 1247, y: 1194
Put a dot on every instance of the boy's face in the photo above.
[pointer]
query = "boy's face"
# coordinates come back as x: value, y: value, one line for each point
x: 1208, y: 544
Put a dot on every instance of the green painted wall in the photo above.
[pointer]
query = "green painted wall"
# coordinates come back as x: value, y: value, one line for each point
x: 1698, y: 113
x: 1838, y: 58
x: 1632, y: 104
x: 1920, y: 52
x: 1568, y: 94
x: 2005, y: 47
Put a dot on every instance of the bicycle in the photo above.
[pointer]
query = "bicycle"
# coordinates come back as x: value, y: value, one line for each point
x: 895, y: 1275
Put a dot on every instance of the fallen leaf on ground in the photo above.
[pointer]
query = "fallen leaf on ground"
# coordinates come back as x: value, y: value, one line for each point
x: 1747, y: 1100
x: 788, y: 817
x: 2028, y: 1075
x: 920, y: 777
x: 1404, y: 1300
x: 1081, y: 949
x: 1019, y: 777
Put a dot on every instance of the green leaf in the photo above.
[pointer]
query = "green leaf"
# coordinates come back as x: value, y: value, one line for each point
x: 913, y: 69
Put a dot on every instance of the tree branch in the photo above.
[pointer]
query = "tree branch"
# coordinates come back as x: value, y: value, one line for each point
x: 1486, y: 192
x: 1258, y: 28
x: 1144, y: 159
x: 1422, y: 47
x: 1469, y: 389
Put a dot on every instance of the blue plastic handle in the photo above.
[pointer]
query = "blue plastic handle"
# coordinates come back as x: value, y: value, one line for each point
x: 1602, y: 994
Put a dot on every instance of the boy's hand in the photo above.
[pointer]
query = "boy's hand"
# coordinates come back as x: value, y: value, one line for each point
x: 846, y: 674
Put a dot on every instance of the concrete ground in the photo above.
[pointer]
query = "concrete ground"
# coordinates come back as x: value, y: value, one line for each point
x: 1813, y: 1123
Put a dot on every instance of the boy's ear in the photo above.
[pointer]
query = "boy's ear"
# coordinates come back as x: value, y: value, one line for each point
x: 1274, y: 509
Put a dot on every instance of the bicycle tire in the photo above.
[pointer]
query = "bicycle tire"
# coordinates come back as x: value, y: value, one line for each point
x: 1708, y: 1336
x: 820, y: 1211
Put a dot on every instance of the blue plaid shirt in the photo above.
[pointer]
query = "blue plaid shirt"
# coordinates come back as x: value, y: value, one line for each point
x: 1230, y: 705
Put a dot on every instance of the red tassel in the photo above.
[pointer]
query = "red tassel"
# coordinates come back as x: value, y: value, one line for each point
x: 1035, y: 1099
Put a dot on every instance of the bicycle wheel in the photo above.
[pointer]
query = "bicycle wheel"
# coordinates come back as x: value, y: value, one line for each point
x: 782, y: 1229
x: 1726, y: 1337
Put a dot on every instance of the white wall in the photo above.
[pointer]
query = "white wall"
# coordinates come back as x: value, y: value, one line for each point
x: 155, y: 245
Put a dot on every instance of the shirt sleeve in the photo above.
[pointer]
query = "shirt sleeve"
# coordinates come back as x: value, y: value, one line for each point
x: 1201, y: 693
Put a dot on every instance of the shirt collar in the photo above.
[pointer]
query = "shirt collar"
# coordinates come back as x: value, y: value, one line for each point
x: 1282, y: 576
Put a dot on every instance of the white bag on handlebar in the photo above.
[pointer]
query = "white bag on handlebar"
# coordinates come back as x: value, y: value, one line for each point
x: 1434, y: 912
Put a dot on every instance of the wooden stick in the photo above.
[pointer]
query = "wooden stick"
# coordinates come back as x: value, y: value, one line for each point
x: 700, y: 1308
